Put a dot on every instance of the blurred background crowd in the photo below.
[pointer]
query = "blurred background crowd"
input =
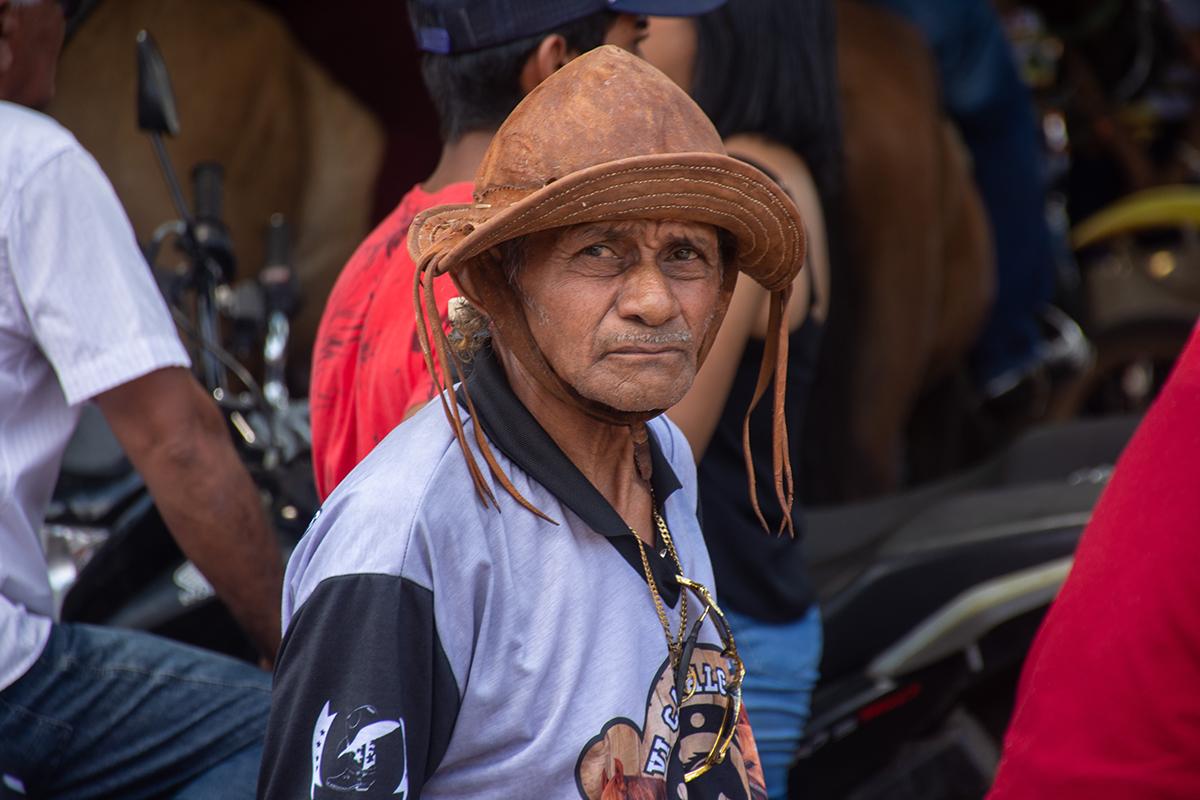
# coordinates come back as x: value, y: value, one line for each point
x: 1062, y: 137
x: 1008, y: 269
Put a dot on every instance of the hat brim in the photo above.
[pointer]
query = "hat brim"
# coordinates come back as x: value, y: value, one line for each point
x: 696, y: 187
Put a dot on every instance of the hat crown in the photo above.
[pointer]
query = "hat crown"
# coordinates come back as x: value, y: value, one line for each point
x: 603, y: 106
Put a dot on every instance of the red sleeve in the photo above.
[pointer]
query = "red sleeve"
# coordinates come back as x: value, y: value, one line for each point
x: 368, y: 370
x: 1109, y: 702
x: 389, y: 375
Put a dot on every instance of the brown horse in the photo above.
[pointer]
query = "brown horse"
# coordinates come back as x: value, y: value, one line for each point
x: 914, y: 287
x: 249, y: 98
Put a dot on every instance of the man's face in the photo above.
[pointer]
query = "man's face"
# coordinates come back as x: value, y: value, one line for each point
x: 620, y: 309
x: 627, y: 32
x: 31, y: 37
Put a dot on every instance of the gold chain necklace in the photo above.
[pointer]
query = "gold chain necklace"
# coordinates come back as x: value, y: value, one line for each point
x: 674, y: 644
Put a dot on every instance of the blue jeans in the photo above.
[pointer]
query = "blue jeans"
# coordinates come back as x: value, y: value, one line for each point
x: 782, y: 666
x: 113, y: 713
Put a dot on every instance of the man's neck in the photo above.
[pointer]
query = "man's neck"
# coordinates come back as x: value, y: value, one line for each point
x: 459, y: 161
x: 601, y: 451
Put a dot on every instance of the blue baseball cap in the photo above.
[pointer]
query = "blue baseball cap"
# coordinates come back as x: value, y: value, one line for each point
x: 459, y: 26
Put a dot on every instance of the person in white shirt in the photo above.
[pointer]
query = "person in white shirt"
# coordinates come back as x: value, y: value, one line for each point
x: 86, y: 711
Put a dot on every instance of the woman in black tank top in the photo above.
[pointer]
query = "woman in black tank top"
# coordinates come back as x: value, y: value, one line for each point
x: 765, y: 72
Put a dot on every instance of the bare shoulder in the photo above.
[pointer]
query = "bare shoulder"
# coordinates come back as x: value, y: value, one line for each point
x: 781, y: 161
x: 793, y: 174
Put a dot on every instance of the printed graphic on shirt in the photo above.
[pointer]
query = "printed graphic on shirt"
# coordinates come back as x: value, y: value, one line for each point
x: 647, y: 762
x: 358, y: 752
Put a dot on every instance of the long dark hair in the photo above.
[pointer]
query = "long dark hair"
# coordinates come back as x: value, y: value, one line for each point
x: 770, y: 67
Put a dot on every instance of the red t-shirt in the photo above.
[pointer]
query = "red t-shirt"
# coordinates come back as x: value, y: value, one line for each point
x: 367, y: 364
x: 1109, y: 702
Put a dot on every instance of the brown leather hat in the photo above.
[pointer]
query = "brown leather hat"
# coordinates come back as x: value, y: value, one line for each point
x: 610, y: 137
x: 607, y: 137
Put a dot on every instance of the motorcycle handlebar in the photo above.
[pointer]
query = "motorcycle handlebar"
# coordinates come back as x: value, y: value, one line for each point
x: 278, y: 246
x: 207, y: 184
x: 280, y: 286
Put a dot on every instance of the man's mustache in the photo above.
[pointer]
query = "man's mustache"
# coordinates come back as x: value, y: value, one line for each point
x: 657, y: 337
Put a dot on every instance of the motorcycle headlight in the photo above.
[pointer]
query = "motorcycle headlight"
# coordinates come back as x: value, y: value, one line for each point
x: 68, y: 549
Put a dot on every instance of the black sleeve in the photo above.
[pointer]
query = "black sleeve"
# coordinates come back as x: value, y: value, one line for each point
x: 364, y: 700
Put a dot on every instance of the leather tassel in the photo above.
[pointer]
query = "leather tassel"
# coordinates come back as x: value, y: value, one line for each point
x: 774, y: 364
x: 429, y: 326
x: 781, y: 455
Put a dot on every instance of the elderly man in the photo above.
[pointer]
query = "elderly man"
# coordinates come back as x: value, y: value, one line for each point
x: 506, y: 597
x: 478, y: 59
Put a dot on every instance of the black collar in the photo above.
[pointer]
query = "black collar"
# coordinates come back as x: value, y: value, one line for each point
x: 517, y: 434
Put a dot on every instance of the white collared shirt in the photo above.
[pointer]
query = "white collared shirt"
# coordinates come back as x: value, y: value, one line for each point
x: 79, y: 314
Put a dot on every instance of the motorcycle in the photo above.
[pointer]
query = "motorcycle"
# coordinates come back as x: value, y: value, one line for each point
x: 1116, y: 92
x: 1141, y: 283
x: 112, y: 560
x: 931, y: 599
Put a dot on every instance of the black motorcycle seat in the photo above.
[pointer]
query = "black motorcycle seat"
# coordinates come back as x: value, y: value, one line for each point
x: 1055, y: 452
x: 886, y: 565
x: 1079, y: 450
x: 930, y: 564
x: 993, y: 513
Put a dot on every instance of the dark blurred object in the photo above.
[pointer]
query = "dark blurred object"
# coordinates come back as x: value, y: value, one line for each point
x: 1118, y: 87
x: 930, y: 599
x: 263, y: 109
x: 1127, y: 84
x: 368, y: 47
x: 993, y: 110
x: 912, y: 294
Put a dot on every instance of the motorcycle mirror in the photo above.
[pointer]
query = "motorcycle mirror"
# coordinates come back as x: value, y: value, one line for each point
x: 155, y: 100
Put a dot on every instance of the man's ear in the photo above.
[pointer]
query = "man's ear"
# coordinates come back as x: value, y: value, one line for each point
x: 552, y: 53
x: 8, y: 29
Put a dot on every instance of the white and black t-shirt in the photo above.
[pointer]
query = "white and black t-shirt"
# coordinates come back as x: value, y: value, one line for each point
x: 436, y: 648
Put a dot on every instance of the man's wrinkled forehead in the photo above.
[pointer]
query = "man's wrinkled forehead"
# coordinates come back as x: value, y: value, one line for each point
x: 655, y: 231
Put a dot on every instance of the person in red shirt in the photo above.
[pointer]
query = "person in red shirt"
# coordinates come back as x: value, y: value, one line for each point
x: 1109, y: 702
x: 478, y: 61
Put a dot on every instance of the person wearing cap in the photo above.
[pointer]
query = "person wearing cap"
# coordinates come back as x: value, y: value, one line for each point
x: 480, y: 58
x: 509, y: 596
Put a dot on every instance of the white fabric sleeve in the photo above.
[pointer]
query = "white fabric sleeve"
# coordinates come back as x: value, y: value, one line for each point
x: 91, y: 300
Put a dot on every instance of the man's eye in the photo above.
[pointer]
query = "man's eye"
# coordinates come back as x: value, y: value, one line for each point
x: 685, y: 254
x: 596, y: 251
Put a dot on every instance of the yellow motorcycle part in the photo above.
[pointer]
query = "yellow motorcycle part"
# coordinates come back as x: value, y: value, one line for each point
x: 1151, y: 209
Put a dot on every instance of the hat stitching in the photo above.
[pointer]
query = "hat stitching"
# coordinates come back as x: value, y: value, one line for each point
x: 439, y: 225
x: 761, y: 225
x: 484, y: 242
x: 649, y: 169
x: 662, y: 207
x: 509, y: 186
x: 753, y: 235
x: 775, y: 201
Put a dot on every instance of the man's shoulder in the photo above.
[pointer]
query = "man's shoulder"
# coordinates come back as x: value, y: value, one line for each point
x: 410, y: 460
x: 28, y: 139
x: 370, y: 521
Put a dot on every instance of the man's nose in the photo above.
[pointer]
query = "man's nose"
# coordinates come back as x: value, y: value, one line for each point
x: 646, y: 295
